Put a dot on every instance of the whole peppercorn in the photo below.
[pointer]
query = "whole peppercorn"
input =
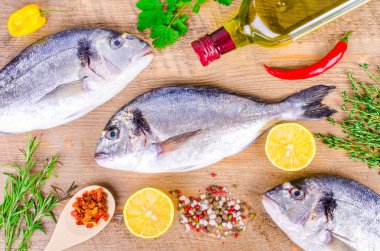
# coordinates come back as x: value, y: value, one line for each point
x: 251, y: 216
x: 215, y: 212
x: 225, y: 217
x: 218, y: 219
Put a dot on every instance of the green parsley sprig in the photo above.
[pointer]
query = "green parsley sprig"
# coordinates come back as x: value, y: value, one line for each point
x: 24, y: 205
x: 362, y: 125
x: 166, y: 19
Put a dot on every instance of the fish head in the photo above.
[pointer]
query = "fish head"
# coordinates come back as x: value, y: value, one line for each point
x: 124, y: 142
x: 296, y: 207
x: 121, y: 53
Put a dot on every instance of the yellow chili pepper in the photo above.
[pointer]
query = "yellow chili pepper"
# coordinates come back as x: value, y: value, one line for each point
x: 27, y: 20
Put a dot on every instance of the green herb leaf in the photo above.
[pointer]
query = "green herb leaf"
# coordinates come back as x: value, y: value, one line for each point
x: 197, y: 5
x: 224, y: 2
x: 150, y: 18
x: 149, y: 4
x: 362, y: 124
x: 165, y: 19
x: 24, y: 206
x: 180, y: 26
x: 164, y: 35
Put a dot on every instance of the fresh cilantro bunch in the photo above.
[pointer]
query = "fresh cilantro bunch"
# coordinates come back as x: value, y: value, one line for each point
x: 165, y: 18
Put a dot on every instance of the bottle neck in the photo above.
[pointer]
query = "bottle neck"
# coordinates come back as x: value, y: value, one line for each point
x: 210, y: 47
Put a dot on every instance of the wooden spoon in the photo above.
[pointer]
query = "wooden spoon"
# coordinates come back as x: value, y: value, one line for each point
x: 67, y: 233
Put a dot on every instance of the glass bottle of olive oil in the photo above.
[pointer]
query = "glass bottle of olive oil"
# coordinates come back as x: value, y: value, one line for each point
x: 270, y: 23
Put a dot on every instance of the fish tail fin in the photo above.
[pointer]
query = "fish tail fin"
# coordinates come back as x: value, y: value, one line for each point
x: 307, y: 104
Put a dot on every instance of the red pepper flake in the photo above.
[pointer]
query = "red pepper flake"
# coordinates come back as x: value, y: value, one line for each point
x: 213, y: 175
x: 236, y: 235
x: 198, y: 230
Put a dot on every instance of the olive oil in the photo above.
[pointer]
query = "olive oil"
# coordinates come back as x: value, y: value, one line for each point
x: 271, y: 23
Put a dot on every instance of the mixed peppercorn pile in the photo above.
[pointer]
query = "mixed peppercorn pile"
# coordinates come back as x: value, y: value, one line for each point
x: 90, y: 208
x: 216, y: 212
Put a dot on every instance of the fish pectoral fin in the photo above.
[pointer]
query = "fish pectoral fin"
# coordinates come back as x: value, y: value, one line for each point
x: 341, y: 242
x: 66, y: 90
x: 175, y: 142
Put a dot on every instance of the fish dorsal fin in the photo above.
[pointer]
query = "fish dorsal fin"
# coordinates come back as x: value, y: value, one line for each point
x: 175, y: 142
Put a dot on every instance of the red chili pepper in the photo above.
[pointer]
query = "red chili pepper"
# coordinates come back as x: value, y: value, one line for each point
x: 320, y: 67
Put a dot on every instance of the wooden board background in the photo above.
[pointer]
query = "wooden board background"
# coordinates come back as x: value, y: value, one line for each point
x: 239, y: 71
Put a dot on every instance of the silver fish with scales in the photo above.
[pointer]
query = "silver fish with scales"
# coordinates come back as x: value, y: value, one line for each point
x: 178, y: 129
x: 326, y: 213
x: 66, y: 75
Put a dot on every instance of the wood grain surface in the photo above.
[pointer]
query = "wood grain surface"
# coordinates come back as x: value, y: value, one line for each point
x: 239, y: 71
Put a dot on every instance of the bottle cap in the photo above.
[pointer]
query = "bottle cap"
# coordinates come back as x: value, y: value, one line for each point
x: 210, y: 47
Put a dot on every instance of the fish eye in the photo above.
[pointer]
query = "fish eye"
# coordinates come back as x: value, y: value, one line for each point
x: 296, y: 193
x: 113, y: 133
x: 117, y: 42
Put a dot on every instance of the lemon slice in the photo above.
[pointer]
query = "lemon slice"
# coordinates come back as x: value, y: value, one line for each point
x: 148, y: 213
x: 290, y: 146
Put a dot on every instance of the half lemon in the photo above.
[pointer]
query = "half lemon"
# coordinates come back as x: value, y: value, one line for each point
x: 290, y: 146
x: 148, y: 213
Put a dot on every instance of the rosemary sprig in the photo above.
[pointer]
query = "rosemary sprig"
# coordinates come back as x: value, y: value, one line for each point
x: 24, y: 206
x: 362, y: 125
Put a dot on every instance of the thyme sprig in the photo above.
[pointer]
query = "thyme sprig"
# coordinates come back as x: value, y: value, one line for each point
x: 25, y: 206
x: 362, y: 124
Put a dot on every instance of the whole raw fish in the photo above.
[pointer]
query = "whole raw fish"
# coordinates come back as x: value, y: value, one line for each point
x: 178, y: 129
x: 326, y: 213
x: 66, y: 75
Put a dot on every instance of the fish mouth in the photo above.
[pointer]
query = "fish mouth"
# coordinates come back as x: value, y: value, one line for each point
x: 99, y: 156
x: 270, y: 205
x: 143, y: 53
